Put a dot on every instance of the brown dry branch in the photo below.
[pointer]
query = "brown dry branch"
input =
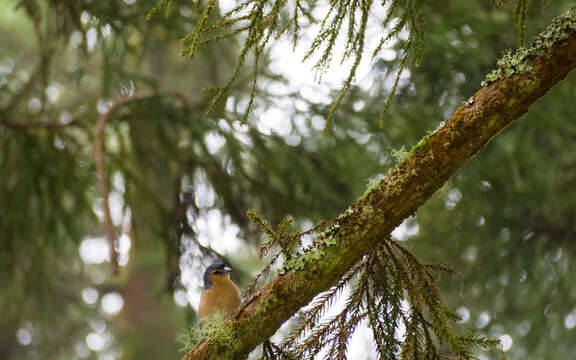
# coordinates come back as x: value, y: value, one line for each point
x: 103, y: 181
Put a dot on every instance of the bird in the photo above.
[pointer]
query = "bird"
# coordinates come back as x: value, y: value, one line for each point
x: 220, y: 295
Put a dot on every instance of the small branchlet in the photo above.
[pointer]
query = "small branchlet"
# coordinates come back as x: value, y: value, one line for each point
x: 164, y: 6
x: 283, y: 237
x: 264, y: 228
x: 519, y: 15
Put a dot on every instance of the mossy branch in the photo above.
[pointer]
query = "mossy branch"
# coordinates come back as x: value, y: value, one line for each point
x: 409, y: 185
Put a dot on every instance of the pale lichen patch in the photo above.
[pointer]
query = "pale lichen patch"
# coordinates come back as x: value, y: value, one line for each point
x: 519, y: 62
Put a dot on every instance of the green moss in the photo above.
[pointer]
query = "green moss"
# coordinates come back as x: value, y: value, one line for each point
x: 420, y: 145
x: 493, y: 121
x: 510, y: 64
x: 399, y: 154
x: 220, y: 333
x: 328, y: 237
x: 295, y: 263
x: 368, y: 210
x: 531, y: 84
x: 330, y: 241
x: 372, y: 185
x: 423, y: 142
x: 453, y: 134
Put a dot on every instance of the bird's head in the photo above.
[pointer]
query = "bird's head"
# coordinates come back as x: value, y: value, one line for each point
x: 216, y: 272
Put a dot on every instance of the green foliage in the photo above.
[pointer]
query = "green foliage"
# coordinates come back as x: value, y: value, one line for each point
x: 383, y: 283
x: 164, y: 6
x: 261, y: 22
x: 389, y: 288
x: 513, y: 187
x: 510, y: 234
x: 287, y: 240
x: 399, y: 154
x: 282, y: 236
x: 35, y: 199
x: 519, y: 13
x: 156, y: 133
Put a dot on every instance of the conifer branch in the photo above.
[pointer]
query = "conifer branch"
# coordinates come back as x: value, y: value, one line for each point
x: 261, y: 21
x: 520, y: 80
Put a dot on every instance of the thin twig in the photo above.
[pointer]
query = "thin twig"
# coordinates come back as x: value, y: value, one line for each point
x: 99, y: 150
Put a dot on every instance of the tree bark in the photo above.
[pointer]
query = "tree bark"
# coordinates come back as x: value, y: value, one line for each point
x: 521, y: 79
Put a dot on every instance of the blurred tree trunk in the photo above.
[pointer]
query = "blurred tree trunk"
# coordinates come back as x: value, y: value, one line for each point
x: 148, y: 322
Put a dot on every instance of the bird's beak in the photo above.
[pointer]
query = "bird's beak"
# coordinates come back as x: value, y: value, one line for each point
x: 227, y: 270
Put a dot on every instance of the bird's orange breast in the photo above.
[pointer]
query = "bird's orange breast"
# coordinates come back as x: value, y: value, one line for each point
x: 222, y: 297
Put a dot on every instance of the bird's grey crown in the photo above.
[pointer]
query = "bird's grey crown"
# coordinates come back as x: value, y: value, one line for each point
x: 217, y: 266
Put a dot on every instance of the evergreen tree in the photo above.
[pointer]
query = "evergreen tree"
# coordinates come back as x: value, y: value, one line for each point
x: 104, y: 131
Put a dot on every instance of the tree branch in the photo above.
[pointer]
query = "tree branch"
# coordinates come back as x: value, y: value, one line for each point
x: 521, y: 79
x: 103, y: 183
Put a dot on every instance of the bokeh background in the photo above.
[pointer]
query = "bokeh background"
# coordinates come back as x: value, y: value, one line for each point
x: 181, y: 182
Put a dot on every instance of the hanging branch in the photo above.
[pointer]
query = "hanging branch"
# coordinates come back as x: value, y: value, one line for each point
x: 259, y: 21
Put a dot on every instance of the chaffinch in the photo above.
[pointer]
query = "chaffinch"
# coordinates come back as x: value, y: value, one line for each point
x: 220, y: 294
